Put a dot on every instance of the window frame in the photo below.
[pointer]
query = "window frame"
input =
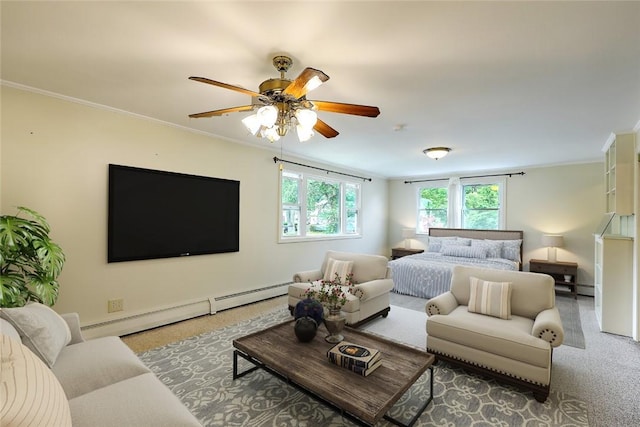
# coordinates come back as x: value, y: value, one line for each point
x: 455, y: 194
x: 343, y: 210
x: 419, y: 205
x: 501, y: 182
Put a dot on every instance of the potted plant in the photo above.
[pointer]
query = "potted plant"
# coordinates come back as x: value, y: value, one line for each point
x: 30, y: 261
x: 332, y: 294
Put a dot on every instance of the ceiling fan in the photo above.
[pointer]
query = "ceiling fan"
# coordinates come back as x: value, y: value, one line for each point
x: 282, y: 104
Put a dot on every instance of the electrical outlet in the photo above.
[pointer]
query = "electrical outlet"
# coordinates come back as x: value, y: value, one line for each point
x: 114, y: 305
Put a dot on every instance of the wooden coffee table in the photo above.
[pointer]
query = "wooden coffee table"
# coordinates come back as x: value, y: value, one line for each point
x: 364, y: 400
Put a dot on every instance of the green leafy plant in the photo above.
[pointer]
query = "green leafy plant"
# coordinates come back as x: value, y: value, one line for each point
x: 30, y: 262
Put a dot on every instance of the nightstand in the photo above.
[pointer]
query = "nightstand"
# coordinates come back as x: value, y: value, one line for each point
x: 558, y: 270
x: 400, y: 252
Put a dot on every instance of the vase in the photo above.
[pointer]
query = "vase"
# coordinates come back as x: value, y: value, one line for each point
x: 305, y: 328
x: 309, y: 307
x: 334, y: 322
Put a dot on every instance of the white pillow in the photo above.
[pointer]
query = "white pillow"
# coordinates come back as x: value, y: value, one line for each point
x: 511, y: 249
x: 494, y: 248
x: 435, y: 243
x: 465, y: 251
x: 334, y: 266
x: 490, y: 298
x: 30, y: 395
x: 41, y: 329
x: 457, y: 242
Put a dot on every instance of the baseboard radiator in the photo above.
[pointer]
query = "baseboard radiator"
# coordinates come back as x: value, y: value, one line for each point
x: 136, y: 322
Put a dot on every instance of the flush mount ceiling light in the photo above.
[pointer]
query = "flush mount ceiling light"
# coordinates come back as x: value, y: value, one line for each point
x: 282, y: 105
x: 436, y: 152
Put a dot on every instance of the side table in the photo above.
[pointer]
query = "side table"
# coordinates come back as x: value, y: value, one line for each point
x: 560, y: 271
x: 400, y: 252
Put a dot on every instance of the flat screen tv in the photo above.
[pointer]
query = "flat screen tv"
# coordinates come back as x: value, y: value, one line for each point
x: 157, y: 214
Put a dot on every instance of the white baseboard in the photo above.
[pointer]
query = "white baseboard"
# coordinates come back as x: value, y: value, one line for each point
x: 585, y: 290
x: 162, y: 316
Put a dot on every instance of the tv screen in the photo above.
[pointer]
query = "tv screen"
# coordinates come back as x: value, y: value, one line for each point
x: 156, y: 214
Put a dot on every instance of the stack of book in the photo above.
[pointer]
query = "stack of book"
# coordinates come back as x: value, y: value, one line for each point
x: 360, y: 359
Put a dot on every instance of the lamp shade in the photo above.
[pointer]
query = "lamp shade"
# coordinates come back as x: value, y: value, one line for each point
x: 408, y: 233
x: 552, y: 240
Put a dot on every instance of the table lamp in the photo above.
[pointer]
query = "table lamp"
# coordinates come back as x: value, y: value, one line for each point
x: 552, y: 241
x: 407, y: 235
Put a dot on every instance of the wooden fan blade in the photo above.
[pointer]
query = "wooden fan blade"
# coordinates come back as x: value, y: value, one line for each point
x: 325, y: 130
x: 309, y: 79
x: 337, y: 107
x: 221, y: 112
x: 225, y: 85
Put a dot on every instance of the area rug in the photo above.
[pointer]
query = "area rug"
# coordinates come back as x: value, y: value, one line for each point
x: 403, y: 325
x: 198, y: 370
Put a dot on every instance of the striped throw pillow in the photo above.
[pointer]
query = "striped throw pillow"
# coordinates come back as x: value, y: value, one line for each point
x: 341, y: 268
x: 490, y: 298
x: 30, y: 395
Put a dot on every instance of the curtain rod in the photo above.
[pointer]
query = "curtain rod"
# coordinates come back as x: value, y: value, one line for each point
x: 466, y: 177
x: 276, y: 160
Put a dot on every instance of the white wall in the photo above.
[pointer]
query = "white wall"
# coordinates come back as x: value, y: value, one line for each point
x: 54, y: 158
x: 565, y: 200
x: 636, y: 242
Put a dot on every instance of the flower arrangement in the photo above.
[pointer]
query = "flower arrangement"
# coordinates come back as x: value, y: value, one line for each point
x: 333, y: 293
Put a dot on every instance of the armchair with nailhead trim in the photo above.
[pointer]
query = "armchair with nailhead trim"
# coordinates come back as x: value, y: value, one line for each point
x: 466, y: 327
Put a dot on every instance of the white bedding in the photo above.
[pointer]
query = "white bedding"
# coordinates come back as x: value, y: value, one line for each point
x: 428, y: 274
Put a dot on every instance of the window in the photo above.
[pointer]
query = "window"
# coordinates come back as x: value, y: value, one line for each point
x: 433, y: 206
x: 481, y: 206
x: 463, y: 203
x: 291, y: 205
x: 318, y: 207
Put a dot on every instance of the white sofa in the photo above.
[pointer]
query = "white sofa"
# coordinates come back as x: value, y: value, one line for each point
x: 516, y: 350
x: 372, y: 276
x: 47, y: 364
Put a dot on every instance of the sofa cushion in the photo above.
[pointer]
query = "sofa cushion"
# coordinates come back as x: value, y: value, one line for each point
x: 366, y: 267
x: 338, y: 268
x: 531, y: 293
x: 30, y: 395
x: 41, y: 329
x: 490, y: 298
x: 139, y: 401
x: 508, y: 338
x: 7, y: 328
x: 96, y: 363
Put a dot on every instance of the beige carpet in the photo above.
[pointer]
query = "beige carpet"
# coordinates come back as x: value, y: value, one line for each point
x: 157, y: 337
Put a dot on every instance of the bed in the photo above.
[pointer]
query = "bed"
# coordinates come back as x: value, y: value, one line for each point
x: 428, y: 274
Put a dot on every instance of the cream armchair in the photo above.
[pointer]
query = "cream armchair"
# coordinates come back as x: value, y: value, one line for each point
x: 517, y: 350
x: 373, y: 284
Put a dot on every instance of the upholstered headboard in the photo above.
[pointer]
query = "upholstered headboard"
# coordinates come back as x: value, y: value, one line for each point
x: 481, y: 234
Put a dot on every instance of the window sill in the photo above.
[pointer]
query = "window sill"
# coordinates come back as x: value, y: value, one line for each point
x: 298, y: 239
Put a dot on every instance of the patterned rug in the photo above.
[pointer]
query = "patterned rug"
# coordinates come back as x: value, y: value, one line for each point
x: 198, y: 370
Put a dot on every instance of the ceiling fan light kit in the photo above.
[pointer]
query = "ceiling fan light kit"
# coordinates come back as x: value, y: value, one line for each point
x: 281, y: 105
x: 436, y: 152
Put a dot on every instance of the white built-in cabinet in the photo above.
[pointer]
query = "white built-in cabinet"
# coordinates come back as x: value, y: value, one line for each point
x: 613, y: 287
x: 613, y: 267
x: 618, y: 173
